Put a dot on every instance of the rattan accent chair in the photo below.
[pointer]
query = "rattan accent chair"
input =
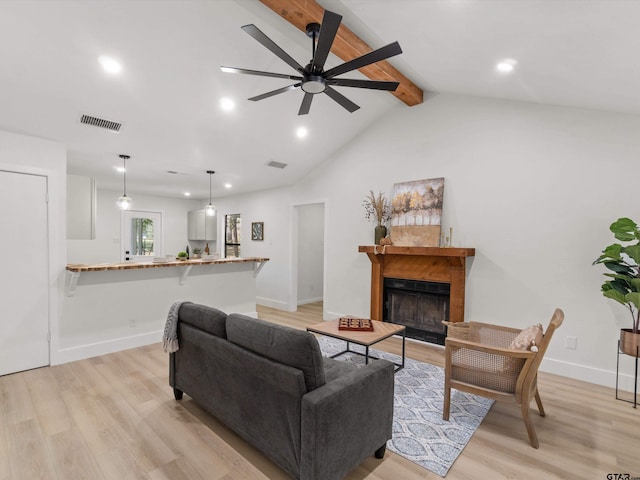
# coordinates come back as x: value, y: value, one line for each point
x: 478, y: 360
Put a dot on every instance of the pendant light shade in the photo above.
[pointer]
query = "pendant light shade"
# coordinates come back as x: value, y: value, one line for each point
x: 210, y: 209
x: 124, y: 202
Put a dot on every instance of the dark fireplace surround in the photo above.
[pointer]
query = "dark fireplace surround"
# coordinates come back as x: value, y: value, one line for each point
x: 418, y: 287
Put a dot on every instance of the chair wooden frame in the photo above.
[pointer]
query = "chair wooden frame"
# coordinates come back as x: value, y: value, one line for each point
x: 483, y: 365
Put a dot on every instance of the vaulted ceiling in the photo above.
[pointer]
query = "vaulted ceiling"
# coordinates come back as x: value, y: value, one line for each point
x: 167, y: 97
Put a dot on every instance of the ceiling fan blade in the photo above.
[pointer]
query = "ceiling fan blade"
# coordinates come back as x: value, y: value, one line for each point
x: 256, y: 33
x: 306, y: 104
x: 328, y: 31
x: 275, y: 92
x: 373, y: 84
x: 258, y: 72
x: 366, y: 59
x: 342, y: 100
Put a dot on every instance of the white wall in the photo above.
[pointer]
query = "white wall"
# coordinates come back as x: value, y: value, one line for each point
x: 25, y: 154
x: 533, y: 188
x: 273, y: 207
x: 106, y: 248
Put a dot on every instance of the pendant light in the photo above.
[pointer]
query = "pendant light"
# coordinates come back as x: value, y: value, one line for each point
x: 210, y: 209
x: 124, y: 202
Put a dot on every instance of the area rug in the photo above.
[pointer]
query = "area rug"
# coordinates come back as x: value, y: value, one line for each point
x: 419, y: 432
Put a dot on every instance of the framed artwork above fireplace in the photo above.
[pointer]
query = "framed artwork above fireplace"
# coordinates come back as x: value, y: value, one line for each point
x: 416, y: 209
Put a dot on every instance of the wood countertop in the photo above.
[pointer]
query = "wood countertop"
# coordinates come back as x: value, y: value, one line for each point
x: 81, y: 267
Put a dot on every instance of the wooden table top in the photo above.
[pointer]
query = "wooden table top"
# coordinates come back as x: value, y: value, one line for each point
x: 381, y: 330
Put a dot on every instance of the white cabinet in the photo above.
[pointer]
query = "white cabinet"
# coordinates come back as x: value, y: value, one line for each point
x: 81, y: 208
x: 201, y: 226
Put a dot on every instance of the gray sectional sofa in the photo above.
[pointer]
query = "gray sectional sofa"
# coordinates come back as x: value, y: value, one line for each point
x: 315, y: 417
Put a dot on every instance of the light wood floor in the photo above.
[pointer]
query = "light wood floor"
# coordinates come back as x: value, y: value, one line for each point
x: 114, y: 417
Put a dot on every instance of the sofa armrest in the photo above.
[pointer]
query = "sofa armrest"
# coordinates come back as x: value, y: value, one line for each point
x: 346, y: 420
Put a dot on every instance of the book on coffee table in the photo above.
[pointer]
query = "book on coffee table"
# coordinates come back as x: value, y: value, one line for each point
x: 355, y: 324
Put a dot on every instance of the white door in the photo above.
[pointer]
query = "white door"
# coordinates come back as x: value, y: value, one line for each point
x: 24, y: 284
x: 141, y: 235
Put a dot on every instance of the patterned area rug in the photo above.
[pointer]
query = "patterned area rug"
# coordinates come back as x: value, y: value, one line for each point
x: 419, y: 433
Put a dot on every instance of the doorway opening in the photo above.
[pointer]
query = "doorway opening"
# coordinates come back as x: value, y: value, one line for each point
x: 308, y: 254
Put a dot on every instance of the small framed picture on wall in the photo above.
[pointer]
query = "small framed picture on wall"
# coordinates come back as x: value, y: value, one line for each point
x: 257, y: 230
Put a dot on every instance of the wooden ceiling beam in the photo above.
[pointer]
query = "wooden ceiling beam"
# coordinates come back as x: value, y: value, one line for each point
x: 347, y: 46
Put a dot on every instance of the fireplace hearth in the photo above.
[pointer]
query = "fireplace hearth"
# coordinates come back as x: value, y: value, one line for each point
x: 408, y: 286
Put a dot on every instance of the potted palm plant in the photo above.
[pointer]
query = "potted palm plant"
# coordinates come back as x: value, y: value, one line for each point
x: 623, y: 278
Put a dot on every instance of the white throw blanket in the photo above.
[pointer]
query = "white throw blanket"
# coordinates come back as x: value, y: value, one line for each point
x: 170, y: 337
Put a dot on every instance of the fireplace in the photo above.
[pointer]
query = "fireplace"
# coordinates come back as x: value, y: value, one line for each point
x: 418, y: 286
x: 418, y: 305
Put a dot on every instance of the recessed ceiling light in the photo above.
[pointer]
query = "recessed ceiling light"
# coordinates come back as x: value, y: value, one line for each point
x: 110, y: 65
x: 227, y: 185
x: 120, y: 169
x: 506, y: 66
x: 227, y: 104
x: 301, y: 132
x: 187, y: 194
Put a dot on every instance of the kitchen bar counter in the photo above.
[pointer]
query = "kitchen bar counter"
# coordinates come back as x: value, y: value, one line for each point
x: 184, y: 266
x: 110, y: 307
x: 81, y: 267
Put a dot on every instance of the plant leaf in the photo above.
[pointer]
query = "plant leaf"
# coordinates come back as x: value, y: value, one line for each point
x: 634, y: 298
x: 633, y: 251
x: 618, y: 284
x: 615, y: 295
x: 625, y: 229
x: 611, y: 252
x: 619, y: 268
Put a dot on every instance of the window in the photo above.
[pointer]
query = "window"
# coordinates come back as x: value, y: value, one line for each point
x: 232, y: 235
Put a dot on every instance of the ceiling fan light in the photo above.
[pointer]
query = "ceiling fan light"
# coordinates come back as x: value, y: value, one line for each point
x: 314, y: 84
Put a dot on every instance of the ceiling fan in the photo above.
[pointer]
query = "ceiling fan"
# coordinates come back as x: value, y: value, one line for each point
x: 313, y: 79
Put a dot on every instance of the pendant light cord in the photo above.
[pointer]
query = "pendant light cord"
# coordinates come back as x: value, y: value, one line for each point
x: 210, y: 172
x: 124, y: 165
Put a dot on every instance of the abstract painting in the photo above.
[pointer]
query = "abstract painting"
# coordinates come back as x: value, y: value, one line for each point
x: 416, y: 209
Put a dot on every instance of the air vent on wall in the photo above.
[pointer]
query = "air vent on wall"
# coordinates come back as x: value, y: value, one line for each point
x: 101, y: 123
x: 275, y: 164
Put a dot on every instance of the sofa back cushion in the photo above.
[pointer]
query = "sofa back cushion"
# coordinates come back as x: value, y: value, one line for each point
x: 289, y: 346
x: 205, y: 318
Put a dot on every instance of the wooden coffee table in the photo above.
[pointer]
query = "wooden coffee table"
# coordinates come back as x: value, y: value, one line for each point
x: 381, y: 330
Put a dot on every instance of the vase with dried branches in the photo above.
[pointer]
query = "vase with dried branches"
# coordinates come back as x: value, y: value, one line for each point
x: 377, y: 208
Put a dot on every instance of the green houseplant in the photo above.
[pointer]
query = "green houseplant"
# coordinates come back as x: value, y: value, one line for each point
x: 622, y: 261
x: 182, y: 256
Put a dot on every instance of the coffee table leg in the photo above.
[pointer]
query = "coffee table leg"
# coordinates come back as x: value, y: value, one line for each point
x: 366, y: 355
x: 404, y: 337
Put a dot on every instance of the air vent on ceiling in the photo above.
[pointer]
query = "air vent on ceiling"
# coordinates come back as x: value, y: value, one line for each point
x: 275, y: 164
x: 101, y: 123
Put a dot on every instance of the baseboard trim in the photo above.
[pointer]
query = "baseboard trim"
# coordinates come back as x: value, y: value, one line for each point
x: 81, y: 352
x: 310, y: 300
x: 598, y: 376
x: 268, y: 302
